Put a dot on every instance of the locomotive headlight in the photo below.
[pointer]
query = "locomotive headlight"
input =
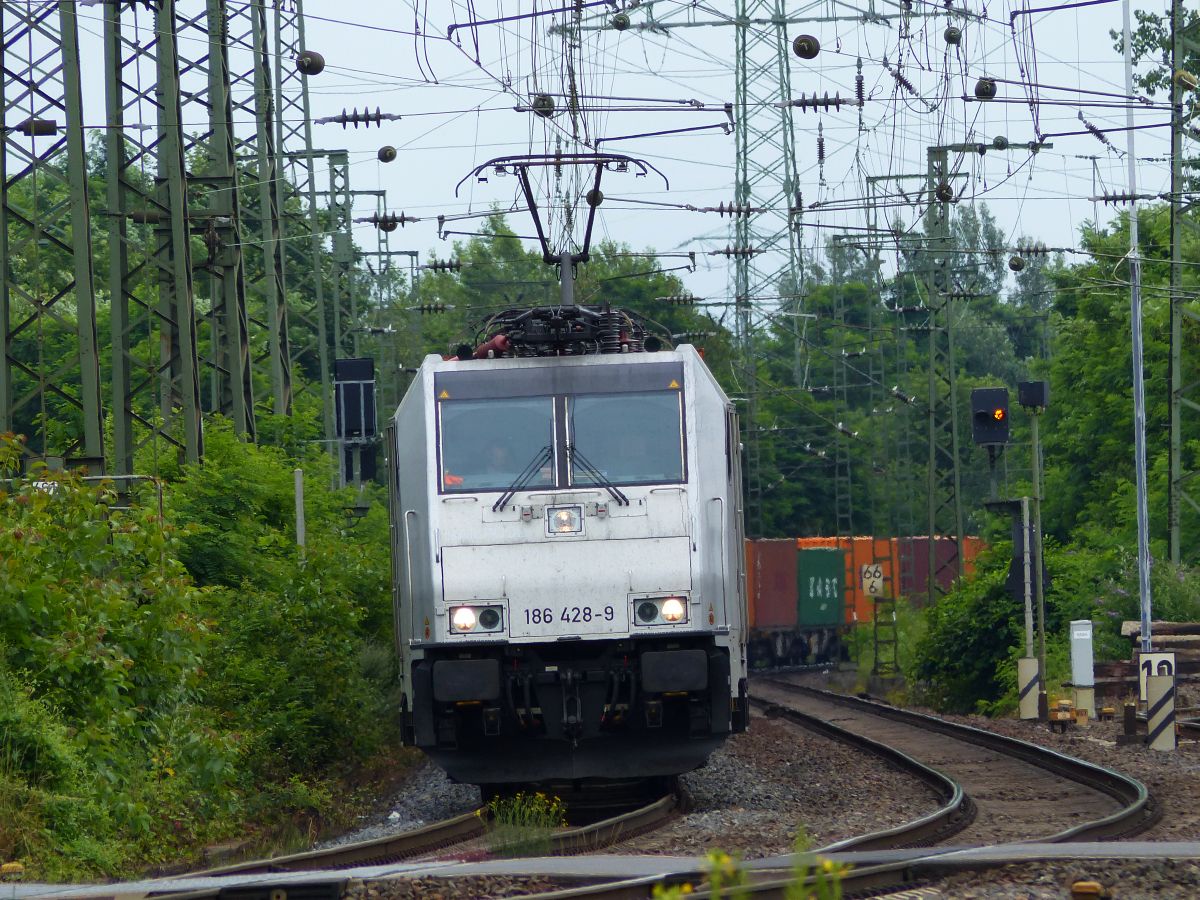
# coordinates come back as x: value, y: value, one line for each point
x: 489, y: 619
x: 656, y: 611
x: 564, y: 520
x: 463, y: 618
x: 673, y: 610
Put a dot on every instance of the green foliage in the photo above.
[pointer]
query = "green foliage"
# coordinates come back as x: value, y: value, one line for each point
x: 966, y: 661
x: 969, y: 631
x: 287, y: 627
x: 524, y: 824
x: 911, y: 626
x: 162, y: 677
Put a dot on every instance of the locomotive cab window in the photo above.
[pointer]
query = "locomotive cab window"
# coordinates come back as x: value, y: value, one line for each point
x: 628, y: 438
x: 486, y: 445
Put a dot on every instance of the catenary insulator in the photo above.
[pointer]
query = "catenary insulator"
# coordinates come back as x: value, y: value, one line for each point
x: 310, y: 62
x: 904, y: 82
x: 806, y: 46
x: 38, y: 128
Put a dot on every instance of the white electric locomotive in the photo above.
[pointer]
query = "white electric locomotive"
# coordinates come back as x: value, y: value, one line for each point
x: 567, y: 545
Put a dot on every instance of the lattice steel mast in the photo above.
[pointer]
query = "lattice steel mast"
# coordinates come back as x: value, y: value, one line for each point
x: 146, y: 193
x: 305, y: 282
x: 45, y: 244
x: 1185, y: 378
x: 254, y: 109
x: 945, y: 513
x: 215, y: 211
x: 767, y: 179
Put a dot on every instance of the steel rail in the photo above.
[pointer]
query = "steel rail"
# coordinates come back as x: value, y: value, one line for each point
x: 457, y: 830
x: 404, y: 845
x: 1138, y: 810
x: 955, y: 813
x: 764, y: 885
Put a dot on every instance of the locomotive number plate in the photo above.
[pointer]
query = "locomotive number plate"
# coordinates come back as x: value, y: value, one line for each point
x: 567, y: 619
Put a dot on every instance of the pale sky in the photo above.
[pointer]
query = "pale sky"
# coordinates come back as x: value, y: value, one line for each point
x: 456, y: 114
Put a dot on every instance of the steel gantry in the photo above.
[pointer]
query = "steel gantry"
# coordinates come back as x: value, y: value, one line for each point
x: 47, y: 292
x: 766, y: 253
x: 150, y: 270
x: 197, y: 193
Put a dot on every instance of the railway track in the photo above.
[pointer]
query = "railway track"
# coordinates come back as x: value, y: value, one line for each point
x: 1019, y: 792
x: 458, y: 831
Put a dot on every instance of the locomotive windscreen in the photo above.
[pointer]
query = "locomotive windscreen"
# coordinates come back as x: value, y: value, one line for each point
x: 629, y: 438
x: 624, y: 422
x: 486, y: 444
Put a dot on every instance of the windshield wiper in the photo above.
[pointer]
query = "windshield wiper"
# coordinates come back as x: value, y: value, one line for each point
x: 543, y: 457
x: 595, y: 474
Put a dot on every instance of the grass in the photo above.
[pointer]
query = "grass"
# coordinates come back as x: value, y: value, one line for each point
x: 524, y: 824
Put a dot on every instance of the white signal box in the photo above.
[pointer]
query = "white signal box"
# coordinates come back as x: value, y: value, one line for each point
x: 1082, y: 674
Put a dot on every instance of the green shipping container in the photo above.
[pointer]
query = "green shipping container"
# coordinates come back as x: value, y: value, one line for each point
x: 821, y: 579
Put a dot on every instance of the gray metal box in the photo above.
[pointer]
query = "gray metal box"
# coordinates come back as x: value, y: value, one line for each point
x: 1081, y: 653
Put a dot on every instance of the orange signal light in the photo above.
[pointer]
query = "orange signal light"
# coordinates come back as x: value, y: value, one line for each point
x: 999, y: 414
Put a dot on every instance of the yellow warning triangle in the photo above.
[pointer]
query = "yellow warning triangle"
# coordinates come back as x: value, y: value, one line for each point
x: 673, y: 384
x: 444, y: 395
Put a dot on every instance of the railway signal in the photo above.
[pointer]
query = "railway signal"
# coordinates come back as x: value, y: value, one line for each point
x: 989, y: 416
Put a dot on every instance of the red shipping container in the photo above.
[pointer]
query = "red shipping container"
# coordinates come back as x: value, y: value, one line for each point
x: 771, y: 583
x: 916, y: 572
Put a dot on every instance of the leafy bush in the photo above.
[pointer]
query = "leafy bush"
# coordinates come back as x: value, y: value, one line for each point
x: 288, y: 628
x: 966, y: 661
x: 163, y: 676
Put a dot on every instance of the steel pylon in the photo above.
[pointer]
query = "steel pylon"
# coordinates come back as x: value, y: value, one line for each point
x: 255, y: 114
x: 215, y: 214
x: 47, y: 290
x: 150, y: 270
x: 765, y: 253
x: 1185, y: 310
x: 944, y: 506
x: 310, y: 346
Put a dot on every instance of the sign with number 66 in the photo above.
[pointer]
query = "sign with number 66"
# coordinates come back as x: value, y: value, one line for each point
x: 871, y: 575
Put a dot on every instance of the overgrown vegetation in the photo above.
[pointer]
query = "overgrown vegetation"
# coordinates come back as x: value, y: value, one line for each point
x: 164, y: 678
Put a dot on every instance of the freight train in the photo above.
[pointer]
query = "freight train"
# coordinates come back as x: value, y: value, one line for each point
x: 569, y: 582
x: 804, y: 593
